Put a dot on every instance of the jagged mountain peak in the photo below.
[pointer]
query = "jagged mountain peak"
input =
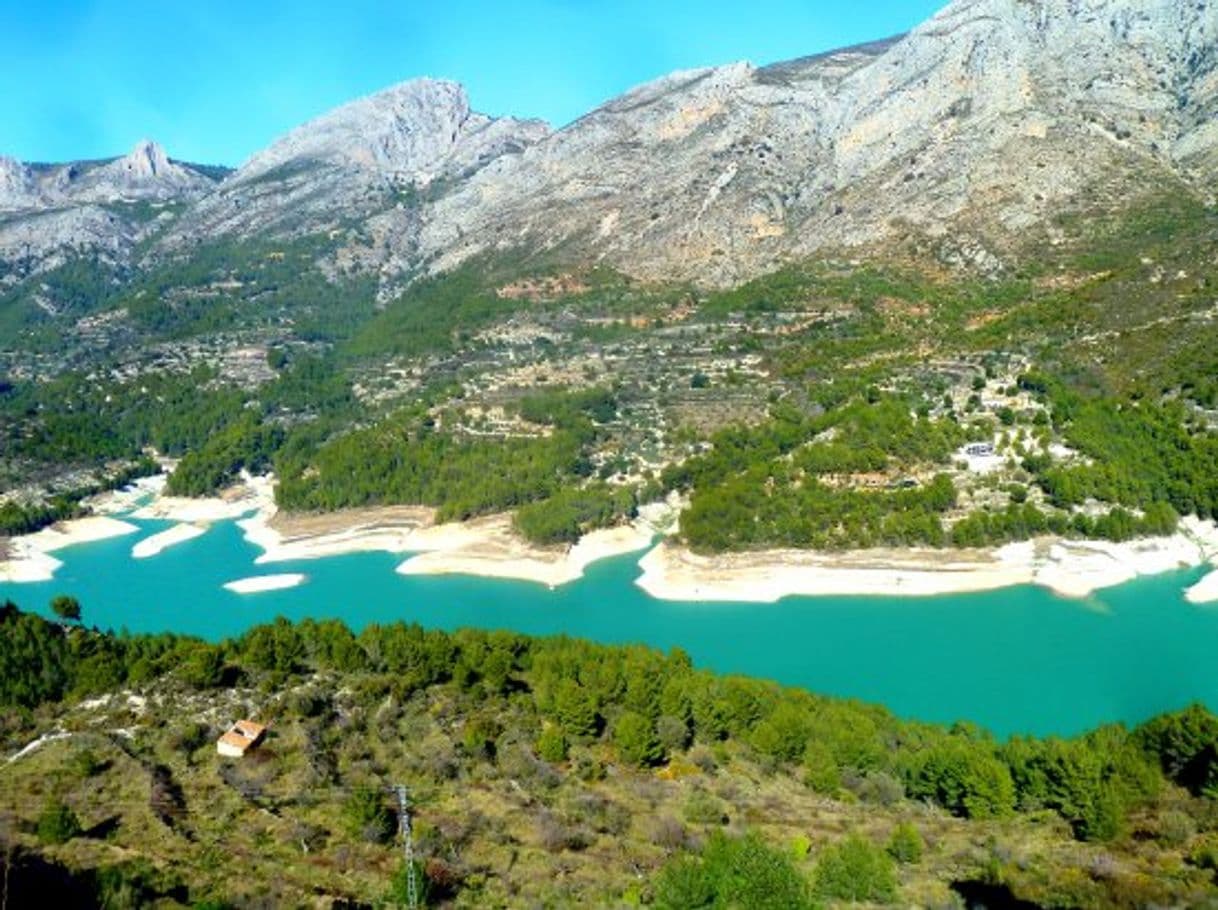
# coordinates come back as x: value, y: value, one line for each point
x: 403, y: 129
x: 357, y: 161
x: 147, y: 159
x: 144, y: 173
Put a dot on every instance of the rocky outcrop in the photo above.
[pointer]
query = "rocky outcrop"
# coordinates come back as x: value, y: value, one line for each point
x: 17, y: 189
x: 51, y: 212
x: 36, y: 241
x: 374, y: 154
x: 144, y: 174
x: 418, y: 130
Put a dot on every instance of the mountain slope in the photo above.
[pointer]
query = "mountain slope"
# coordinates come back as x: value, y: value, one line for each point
x: 995, y: 113
x: 555, y: 773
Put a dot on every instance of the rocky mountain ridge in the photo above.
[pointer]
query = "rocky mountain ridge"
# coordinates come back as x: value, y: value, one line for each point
x: 359, y: 159
x: 51, y: 212
x: 969, y: 133
x: 145, y: 173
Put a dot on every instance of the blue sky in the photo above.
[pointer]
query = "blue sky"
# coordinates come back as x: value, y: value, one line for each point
x: 215, y: 80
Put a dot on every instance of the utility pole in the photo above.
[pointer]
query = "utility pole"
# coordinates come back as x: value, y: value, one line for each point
x: 412, y: 886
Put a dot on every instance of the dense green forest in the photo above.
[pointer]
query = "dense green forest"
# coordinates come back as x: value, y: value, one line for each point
x: 407, y: 459
x: 571, y: 703
x: 763, y: 485
x: 574, y: 511
x: 215, y: 429
x: 405, y: 462
x: 1144, y: 454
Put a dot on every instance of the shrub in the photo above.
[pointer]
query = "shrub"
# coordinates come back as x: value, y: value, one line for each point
x: 204, y: 669
x: 66, y: 608
x: 636, y: 740
x: 1205, y: 854
x: 733, y: 872
x: 668, y: 832
x: 367, y: 817
x: 856, y: 870
x: 187, y: 737
x: 555, y: 834
x: 552, y: 744
x: 86, y: 763
x: 905, y: 845
x: 965, y: 776
x: 783, y: 735
x: 306, y: 703
x: 704, y: 759
x: 877, y: 787
x: 672, y: 732
x: 1176, y: 828
x: 601, y: 814
x: 57, y: 824
x: 1186, y: 745
x: 576, y: 709
x: 701, y: 808
x: 821, y: 772
x: 478, y: 738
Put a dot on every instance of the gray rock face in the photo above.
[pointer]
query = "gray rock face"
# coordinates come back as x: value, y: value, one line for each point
x: 993, y: 114
x: 145, y: 173
x: 359, y: 159
x: 49, y: 212
x: 972, y: 130
x: 17, y: 188
x: 417, y: 130
x: 36, y: 241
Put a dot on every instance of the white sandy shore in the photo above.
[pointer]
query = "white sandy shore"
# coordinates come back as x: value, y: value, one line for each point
x: 27, y: 559
x: 157, y: 543
x: 1205, y: 591
x: 283, y: 538
x: 126, y: 500
x: 258, y: 583
x: 253, y: 493
x: 488, y: 547
x: 1068, y: 568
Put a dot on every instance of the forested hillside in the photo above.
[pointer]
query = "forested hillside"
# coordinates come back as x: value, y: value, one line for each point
x: 556, y: 772
x: 827, y: 405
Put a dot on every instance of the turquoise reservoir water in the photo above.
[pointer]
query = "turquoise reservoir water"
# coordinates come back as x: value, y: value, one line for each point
x: 1016, y: 661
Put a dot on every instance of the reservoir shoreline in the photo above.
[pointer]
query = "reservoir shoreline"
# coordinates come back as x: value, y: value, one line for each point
x: 489, y: 547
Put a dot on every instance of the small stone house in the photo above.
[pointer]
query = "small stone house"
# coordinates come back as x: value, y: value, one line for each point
x: 240, y: 738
